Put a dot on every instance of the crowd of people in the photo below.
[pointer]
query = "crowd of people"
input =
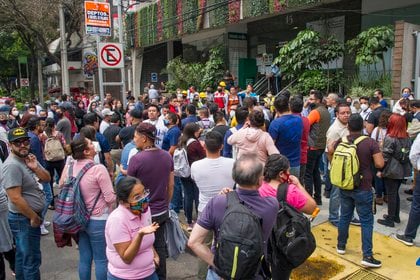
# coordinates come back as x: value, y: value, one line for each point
x: 234, y: 141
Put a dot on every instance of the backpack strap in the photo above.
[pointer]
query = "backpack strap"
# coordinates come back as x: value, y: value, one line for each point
x: 282, y: 192
x: 82, y: 171
x: 232, y: 199
x: 360, y: 139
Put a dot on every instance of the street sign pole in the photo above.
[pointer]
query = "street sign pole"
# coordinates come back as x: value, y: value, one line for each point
x: 121, y: 40
x: 100, y: 77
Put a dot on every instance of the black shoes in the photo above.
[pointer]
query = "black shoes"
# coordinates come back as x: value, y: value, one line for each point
x: 326, y: 194
x: 371, y: 262
x: 409, y: 191
x: 396, y: 219
x: 403, y: 239
x: 386, y: 222
x: 410, y: 198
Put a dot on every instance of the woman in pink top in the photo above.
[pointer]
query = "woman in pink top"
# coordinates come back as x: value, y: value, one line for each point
x: 97, y: 192
x: 251, y: 138
x: 130, y: 234
x: 277, y: 172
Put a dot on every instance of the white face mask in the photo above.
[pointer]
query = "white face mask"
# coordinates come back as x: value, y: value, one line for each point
x: 32, y: 113
x: 131, y: 107
x: 364, y: 107
x: 15, y: 113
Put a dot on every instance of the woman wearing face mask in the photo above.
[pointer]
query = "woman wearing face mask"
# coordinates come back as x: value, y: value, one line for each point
x: 405, y: 94
x: 120, y: 111
x: 130, y: 235
x: 276, y: 173
x: 14, y: 118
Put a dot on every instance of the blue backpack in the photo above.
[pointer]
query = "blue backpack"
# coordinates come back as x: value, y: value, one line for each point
x: 71, y: 215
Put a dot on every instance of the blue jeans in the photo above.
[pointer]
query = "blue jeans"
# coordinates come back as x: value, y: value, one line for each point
x: 211, y: 275
x: 176, y: 202
x: 151, y: 277
x: 48, y: 197
x: 334, y: 208
x: 414, y: 217
x: 379, y: 186
x: 295, y: 171
x: 362, y: 200
x: 190, y: 196
x: 92, y: 247
x: 28, y: 252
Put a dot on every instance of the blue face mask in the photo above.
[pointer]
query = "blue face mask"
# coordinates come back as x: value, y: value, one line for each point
x: 166, y: 122
x: 406, y: 95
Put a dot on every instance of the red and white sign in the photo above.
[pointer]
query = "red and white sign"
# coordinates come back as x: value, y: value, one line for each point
x: 24, y: 82
x: 111, y: 55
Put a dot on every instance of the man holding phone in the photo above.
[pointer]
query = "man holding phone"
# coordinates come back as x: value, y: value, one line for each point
x: 22, y: 177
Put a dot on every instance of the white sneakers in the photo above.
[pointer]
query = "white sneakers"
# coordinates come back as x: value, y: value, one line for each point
x: 44, y: 231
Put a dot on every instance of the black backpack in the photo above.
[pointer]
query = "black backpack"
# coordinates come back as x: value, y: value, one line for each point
x: 240, y: 245
x: 291, y: 241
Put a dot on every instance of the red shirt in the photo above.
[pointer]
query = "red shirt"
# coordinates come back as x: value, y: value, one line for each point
x: 304, y: 140
x: 219, y: 99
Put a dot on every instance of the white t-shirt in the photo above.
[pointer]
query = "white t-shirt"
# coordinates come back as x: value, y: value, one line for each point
x: 104, y: 125
x: 211, y: 176
x: 161, y: 130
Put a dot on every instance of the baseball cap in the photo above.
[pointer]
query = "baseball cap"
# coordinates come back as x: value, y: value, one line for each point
x: 147, y: 129
x: 136, y: 113
x: 5, y: 109
x: 222, y: 84
x: 107, y: 112
x: 16, y: 134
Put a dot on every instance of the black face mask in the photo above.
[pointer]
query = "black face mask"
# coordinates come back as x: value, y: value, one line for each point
x: 312, y: 106
x: 3, y: 122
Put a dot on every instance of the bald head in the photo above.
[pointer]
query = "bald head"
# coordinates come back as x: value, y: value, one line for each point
x: 247, y: 171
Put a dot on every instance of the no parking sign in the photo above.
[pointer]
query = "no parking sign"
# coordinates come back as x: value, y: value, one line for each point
x: 111, y: 55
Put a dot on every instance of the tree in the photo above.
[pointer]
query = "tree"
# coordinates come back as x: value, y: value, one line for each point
x: 36, y: 23
x: 308, y: 51
x: 370, y: 45
x: 201, y: 74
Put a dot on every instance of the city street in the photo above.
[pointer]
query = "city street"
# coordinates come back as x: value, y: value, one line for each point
x: 61, y: 263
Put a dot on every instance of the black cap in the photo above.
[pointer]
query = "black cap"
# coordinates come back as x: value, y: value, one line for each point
x: 16, y: 134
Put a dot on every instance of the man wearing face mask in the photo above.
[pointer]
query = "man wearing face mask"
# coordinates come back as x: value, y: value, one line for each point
x: 319, y: 121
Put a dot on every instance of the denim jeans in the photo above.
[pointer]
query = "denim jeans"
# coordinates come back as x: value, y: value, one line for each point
x: 190, y: 197
x: 334, y: 208
x: 327, y: 179
x: 52, y: 167
x: 295, y: 171
x: 176, y: 202
x: 92, y: 246
x: 151, y: 277
x: 211, y: 275
x: 312, y: 175
x: 362, y: 200
x: 392, y: 186
x: 414, y: 217
x: 379, y: 185
x: 46, y: 187
x: 28, y: 252
x: 160, y: 244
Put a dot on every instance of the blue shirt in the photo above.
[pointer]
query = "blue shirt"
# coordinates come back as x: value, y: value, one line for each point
x: 384, y: 103
x: 227, y: 148
x: 171, y: 138
x: 286, y: 132
x: 187, y: 120
x: 124, y: 159
x: 36, y: 148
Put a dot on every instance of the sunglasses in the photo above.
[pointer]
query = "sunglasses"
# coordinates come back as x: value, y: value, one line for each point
x: 19, y: 143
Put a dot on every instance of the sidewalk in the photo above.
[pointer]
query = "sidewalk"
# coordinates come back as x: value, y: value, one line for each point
x: 398, y: 260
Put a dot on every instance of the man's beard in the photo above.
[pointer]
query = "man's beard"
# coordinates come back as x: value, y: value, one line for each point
x: 21, y: 155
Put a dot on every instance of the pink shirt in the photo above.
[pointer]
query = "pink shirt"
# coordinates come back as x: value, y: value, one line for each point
x: 122, y: 226
x: 295, y: 197
x: 95, y: 180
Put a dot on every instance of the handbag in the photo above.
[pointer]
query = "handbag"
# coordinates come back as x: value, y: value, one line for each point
x: 393, y: 169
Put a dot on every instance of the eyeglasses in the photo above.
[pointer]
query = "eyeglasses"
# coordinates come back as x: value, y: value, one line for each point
x: 146, y: 193
x: 18, y: 143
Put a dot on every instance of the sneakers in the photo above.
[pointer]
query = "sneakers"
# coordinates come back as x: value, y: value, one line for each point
x: 44, y: 231
x: 410, y: 198
x: 46, y: 223
x: 355, y: 222
x: 403, y: 239
x: 371, y: 262
x: 341, y: 250
x: 409, y: 192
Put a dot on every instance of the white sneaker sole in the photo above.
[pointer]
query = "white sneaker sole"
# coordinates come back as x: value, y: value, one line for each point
x: 403, y: 241
x: 341, y: 252
x: 368, y: 264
